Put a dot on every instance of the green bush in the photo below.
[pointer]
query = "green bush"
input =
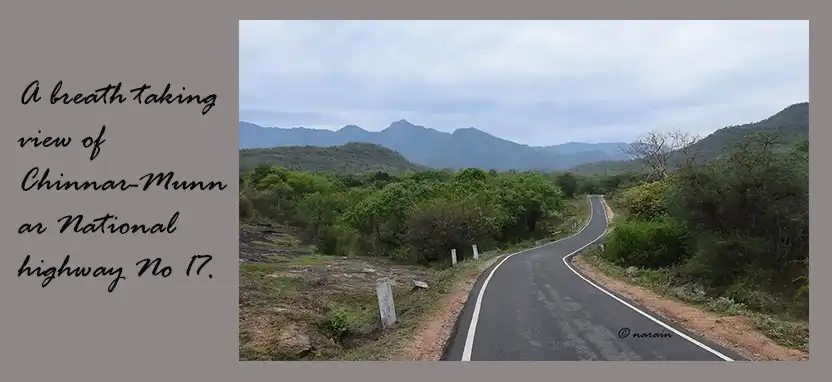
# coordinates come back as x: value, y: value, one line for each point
x: 646, y: 201
x: 568, y: 184
x: 414, y: 218
x: 747, y: 293
x: 339, y: 240
x: 749, y: 213
x: 647, y: 244
x: 589, y: 186
x: 436, y: 228
x: 339, y: 322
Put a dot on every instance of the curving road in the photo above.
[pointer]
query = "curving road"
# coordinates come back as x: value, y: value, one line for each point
x: 534, y: 306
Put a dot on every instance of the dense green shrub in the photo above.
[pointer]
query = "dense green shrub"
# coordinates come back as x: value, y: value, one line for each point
x: 646, y: 201
x: 738, y: 226
x: 339, y: 322
x: 435, y: 228
x: 415, y: 218
x: 568, y: 183
x: 750, y: 215
x: 646, y: 243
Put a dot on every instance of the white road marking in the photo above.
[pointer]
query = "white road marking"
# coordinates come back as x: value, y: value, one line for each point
x: 680, y: 334
x: 472, y: 327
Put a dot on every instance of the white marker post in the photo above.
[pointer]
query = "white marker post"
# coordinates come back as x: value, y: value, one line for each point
x: 453, y: 256
x: 476, y: 253
x: 386, y: 307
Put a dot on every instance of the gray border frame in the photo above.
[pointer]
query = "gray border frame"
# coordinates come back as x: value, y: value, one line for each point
x: 183, y: 328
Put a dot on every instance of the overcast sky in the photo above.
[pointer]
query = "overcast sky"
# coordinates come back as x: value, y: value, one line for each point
x: 533, y: 82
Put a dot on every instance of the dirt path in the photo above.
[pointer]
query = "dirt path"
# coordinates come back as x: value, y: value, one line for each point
x: 733, y: 332
x: 610, y: 214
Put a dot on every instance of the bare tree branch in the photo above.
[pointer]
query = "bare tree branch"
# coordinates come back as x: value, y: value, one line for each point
x: 655, y: 150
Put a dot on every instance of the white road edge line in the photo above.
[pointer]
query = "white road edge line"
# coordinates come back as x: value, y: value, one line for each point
x: 472, y: 326
x: 566, y: 262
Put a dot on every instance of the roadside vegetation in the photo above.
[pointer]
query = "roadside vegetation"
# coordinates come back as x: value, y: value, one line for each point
x: 730, y: 235
x: 313, y: 244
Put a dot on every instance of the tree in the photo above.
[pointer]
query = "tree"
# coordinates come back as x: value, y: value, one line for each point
x: 646, y: 201
x: 417, y: 216
x: 568, y: 183
x: 750, y: 211
x: 655, y: 149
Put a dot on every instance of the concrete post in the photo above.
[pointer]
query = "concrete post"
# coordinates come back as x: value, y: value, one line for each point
x: 386, y: 307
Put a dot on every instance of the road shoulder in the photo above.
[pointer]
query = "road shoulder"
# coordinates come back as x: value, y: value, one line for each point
x: 432, y: 335
x: 736, y: 333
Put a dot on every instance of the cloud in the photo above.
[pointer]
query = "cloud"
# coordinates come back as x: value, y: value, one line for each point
x: 534, y: 82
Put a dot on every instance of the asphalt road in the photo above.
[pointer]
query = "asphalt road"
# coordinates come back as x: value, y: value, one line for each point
x: 533, y: 306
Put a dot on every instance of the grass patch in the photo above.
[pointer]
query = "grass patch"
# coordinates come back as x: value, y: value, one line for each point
x: 575, y: 215
x: 413, y: 306
x: 280, y: 240
x: 340, y: 321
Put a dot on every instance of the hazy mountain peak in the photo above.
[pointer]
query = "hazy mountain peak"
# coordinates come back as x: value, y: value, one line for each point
x: 401, y: 123
x: 352, y: 129
x: 465, y: 130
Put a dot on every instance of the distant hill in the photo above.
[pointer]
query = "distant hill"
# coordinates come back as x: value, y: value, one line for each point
x: 468, y: 147
x: 613, y: 149
x: 791, y: 124
x: 348, y: 158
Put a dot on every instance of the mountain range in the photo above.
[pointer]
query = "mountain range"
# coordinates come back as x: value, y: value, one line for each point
x: 467, y: 147
x: 791, y: 125
x: 470, y: 147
